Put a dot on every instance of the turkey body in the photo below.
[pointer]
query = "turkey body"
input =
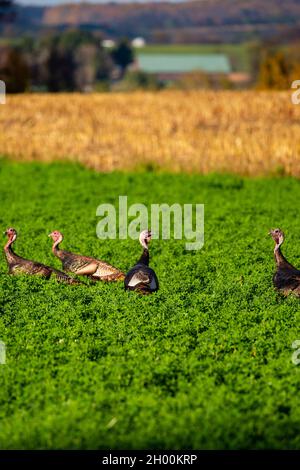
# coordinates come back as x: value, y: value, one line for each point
x: 24, y: 266
x: 18, y: 265
x: 286, y: 278
x: 88, y: 266
x: 141, y: 278
x: 96, y: 269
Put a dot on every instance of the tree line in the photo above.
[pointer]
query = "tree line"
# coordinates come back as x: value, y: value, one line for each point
x: 77, y: 61
x: 71, y: 61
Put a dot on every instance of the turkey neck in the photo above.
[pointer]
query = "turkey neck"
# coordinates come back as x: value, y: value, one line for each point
x: 280, y: 259
x: 11, y: 257
x: 144, y: 259
x: 55, y: 249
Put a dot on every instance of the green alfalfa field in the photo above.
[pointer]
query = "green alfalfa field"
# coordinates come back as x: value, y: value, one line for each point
x: 205, y: 363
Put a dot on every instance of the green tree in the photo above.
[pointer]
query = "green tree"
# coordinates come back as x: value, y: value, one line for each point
x: 74, y: 60
x: 73, y: 39
x: 194, y: 80
x: 14, y: 70
x: 139, y: 80
x: 123, y: 55
x: 61, y: 68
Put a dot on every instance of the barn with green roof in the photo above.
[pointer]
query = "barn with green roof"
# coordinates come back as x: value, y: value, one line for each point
x: 168, y: 66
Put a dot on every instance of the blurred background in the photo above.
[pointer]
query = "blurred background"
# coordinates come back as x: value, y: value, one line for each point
x: 53, y: 45
x: 193, y: 86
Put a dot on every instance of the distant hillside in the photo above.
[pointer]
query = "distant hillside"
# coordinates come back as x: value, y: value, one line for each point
x: 193, y: 21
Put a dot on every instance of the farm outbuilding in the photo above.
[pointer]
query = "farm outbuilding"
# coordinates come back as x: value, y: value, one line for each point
x: 172, y: 66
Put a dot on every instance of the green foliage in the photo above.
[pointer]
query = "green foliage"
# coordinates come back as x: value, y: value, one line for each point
x: 14, y: 70
x: 61, y: 69
x: 69, y: 61
x: 75, y: 38
x: 75, y: 61
x: 194, y: 81
x: 204, y: 363
x: 123, y: 54
x: 139, y: 80
x: 102, y: 86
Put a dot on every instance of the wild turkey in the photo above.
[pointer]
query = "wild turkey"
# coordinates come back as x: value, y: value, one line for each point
x: 84, y: 265
x: 286, y: 278
x: 141, y: 278
x: 18, y: 265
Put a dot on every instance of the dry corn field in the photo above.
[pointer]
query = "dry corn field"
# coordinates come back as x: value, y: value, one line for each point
x: 250, y: 133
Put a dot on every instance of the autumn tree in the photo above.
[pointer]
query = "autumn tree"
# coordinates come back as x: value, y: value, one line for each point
x: 274, y: 72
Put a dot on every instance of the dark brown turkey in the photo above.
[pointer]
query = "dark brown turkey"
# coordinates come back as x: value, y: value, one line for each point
x: 84, y: 265
x: 18, y: 265
x: 141, y: 278
x: 286, y: 278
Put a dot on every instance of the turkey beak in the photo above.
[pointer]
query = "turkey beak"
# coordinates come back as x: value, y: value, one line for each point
x: 49, y: 235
